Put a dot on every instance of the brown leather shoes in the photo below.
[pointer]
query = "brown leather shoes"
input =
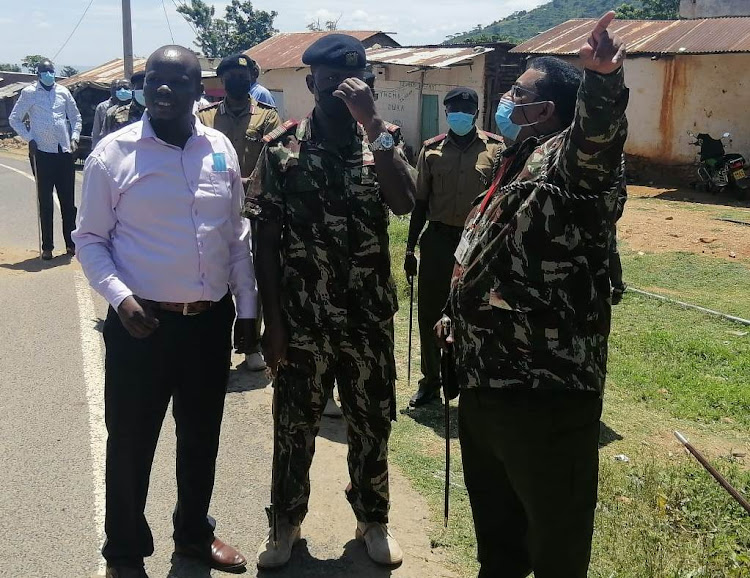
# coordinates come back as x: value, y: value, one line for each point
x: 220, y: 556
x: 125, y: 572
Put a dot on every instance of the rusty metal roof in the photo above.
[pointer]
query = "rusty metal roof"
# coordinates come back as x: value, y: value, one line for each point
x: 284, y: 50
x: 425, y: 57
x: 701, y: 36
x: 13, y: 89
x: 103, y: 75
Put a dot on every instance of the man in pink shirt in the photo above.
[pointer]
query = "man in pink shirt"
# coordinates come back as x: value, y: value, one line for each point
x: 160, y: 236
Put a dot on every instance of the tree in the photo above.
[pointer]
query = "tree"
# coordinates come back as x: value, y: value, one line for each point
x: 10, y: 67
x: 650, y: 10
x: 241, y: 28
x: 327, y: 26
x: 69, y: 71
x: 31, y: 62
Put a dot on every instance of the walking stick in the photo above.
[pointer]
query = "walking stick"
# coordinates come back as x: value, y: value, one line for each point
x: 271, y: 510
x: 38, y: 209
x: 411, y: 325
x: 445, y: 358
x: 711, y: 470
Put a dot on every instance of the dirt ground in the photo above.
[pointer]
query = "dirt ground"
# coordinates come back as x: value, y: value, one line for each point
x: 662, y: 220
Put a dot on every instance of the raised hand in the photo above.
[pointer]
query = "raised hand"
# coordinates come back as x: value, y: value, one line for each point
x: 603, y: 51
x: 358, y: 98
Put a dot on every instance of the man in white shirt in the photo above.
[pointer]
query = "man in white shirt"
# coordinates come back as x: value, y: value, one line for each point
x: 160, y: 236
x: 55, y: 127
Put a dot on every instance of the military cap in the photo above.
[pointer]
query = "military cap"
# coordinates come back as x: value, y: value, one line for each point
x: 237, y: 61
x: 462, y: 93
x: 339, y: 50
x: 136, y: 76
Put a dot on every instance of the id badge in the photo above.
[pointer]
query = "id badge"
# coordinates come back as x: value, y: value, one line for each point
x: 463, y: 249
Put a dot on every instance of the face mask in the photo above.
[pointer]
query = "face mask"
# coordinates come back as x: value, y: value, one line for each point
x: 461, y: 123
x: 237, y: 87
x: 123, y: 94
x: 47, y: 78
x: 505, y: 125
x: 138, y: 97
x: 333, y: 106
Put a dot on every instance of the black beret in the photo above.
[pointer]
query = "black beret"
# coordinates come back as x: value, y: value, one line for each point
x: 137, y: 76
x: 462, y: 93
x: 237, y: 61
x: 339, y: 50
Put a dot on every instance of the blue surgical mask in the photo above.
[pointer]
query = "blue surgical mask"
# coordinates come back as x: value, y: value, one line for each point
x: 461, y: 123
x: 47, y: 78
x: 138, y: 96
x: 507, y: 127
x: 123, y: 94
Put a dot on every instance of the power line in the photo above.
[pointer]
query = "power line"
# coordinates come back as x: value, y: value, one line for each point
x: 183, y: 4
x: 164, y: 6
x: 74, y: 30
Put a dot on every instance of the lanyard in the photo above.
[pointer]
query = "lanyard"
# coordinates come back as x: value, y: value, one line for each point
x: 493, y: 189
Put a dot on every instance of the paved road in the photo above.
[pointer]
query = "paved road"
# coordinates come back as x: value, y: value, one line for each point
x: 52, y: 437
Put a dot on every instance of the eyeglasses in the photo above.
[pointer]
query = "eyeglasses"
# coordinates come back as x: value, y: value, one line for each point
x: 518, y: 91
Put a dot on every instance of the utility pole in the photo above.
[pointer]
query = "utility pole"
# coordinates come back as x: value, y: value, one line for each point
x: 127, y: 39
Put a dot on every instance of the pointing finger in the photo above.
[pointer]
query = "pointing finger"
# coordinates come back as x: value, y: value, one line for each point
x: 603, y: 23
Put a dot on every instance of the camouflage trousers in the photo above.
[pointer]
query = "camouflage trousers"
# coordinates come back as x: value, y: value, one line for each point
x: 360, y: 360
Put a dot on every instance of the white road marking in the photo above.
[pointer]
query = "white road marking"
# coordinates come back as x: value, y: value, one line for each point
x: 93, y: 373
x: 32, y: 179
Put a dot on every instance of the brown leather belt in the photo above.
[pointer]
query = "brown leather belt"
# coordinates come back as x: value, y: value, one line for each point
x: 195, y: 308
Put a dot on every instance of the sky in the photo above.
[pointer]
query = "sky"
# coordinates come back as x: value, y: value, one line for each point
x: 42, y: 26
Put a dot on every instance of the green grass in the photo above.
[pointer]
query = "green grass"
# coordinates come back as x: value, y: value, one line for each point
x: 699, y: 279
x: 658, y: 516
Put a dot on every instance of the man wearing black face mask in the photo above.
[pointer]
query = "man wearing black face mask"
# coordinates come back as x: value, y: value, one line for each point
x: 328, y: 182
x: 245, y: 121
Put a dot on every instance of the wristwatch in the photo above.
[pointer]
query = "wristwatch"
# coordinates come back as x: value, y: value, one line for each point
x: 384, y: 142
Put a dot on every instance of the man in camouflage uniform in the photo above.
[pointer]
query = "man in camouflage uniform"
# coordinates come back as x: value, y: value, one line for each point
x: 122, y: 115
x: 530, y: 304
x: 321, y: 195
x: 453, y: 169
x: 245, y: 122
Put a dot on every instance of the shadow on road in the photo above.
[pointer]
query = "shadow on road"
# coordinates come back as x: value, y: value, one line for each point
x: 353, y: 562
x: 241, y: 379
x: 36, y: 265
x: 607, y: 435
x: 726, y: 199
x: 333, y: 429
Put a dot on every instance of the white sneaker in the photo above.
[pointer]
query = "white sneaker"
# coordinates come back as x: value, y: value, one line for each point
x: 255, y: 361
x: 381, y: 545
x: 272, y: 555
x: 332, y: 409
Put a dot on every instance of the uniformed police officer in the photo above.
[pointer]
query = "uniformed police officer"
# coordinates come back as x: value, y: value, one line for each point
x: 122, y: 115
x: 454, y: 168
x: 328, y: 182
x: 245, y: 121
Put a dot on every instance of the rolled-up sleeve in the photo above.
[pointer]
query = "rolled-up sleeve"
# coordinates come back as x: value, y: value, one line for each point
x: 92, y: 237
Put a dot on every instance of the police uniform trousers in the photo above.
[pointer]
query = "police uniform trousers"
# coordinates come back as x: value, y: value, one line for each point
x: 437, y: 246
x: 56, y: 171
x: 360, y: 360
x: 531, y: 461
x: 187, y: 360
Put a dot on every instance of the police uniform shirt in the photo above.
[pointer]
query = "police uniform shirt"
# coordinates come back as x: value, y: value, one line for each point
x: 450, y: 178
x: 245, y: 130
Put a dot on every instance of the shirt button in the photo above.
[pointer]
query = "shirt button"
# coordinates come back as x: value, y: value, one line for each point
x: 203, y: 275
x: 195, y: 212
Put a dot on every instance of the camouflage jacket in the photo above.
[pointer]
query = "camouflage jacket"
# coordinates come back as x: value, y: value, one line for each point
x: 334, y: 249
x: 530, y: 299
x: 121, y: 115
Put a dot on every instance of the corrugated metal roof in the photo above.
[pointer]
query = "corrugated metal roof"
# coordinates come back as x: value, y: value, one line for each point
x: 701, y: 36
x: 12, y: 89
x: 427, y: 57
x: 284, y: 50
x: 103, y: 75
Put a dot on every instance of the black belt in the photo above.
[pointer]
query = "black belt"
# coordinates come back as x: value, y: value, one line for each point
x: 443, y: 228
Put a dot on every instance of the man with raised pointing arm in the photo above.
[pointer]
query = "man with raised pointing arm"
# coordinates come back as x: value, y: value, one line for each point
x: 530, y: 308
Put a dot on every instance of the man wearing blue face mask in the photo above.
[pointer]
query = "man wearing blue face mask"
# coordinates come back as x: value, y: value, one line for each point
x: 531, y: 309
x: 123, y: 114
x: 53, y: 133
x: 453, y: 168
x: 120, y: 93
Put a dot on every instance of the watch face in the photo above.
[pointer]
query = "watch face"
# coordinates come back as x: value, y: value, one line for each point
x: 386, y: 140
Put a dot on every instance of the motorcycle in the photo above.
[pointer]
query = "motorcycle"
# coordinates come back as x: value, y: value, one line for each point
x: 719, y: 170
